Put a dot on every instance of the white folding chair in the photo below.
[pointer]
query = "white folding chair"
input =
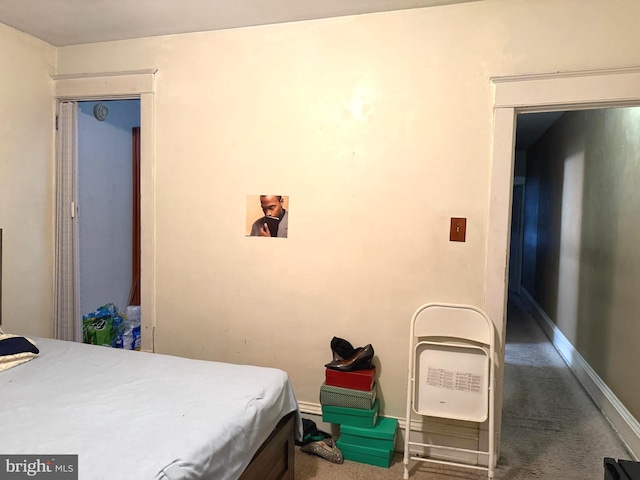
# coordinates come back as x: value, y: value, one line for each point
x: 451, y: 375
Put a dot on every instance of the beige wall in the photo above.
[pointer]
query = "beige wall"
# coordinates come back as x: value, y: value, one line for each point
x: 329, y: 113
x: 378, y: 127
x: 585, y: 175
x: 26, y: 186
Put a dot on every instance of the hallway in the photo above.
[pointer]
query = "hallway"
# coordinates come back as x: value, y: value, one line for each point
x: 551, y: 427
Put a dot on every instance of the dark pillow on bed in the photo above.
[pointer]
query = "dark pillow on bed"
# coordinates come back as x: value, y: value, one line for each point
x: 13, y: 345
x: 15, y: 350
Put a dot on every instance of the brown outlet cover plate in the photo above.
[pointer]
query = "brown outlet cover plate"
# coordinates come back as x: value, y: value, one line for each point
x: 458, y: 231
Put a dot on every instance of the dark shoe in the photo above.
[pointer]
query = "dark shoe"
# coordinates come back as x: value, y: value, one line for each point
x: 311, y: 433
x: 360, y: 361
x: 342, y: 349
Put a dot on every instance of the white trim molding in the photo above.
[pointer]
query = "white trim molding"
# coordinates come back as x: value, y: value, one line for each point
x: 549, y: 90
x: 623, y: 422
x: 97, y: 86
x: 310, y: 408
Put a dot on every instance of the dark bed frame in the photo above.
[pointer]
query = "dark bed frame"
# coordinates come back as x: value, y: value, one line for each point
x: 275, y: 458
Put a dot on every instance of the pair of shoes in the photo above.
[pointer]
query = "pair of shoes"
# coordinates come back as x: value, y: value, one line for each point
x: 361, y: 360
x: 324, y: 448
x: 342, y: 348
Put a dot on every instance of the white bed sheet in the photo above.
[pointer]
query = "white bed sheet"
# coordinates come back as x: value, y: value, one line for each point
x: 135, y: 415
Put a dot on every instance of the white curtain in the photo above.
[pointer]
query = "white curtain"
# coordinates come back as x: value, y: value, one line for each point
x: 66, y: 326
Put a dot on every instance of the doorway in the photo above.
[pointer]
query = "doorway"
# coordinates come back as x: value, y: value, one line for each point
x: 581, y: 179
x: 129, y: 85
x: 106, y: 202
x: 98, y: 244
x: 540, y: 93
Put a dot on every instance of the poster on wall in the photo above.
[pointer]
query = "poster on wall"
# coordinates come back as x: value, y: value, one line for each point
x: 267, y: 216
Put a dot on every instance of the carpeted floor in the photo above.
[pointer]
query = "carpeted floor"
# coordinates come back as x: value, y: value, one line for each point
x: 551, y: 429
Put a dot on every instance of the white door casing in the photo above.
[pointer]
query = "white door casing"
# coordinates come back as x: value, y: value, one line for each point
x: 128, y: 85
x: 528, y: 94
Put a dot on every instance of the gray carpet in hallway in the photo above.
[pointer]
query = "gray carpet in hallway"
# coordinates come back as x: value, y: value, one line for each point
x: 551, y: 429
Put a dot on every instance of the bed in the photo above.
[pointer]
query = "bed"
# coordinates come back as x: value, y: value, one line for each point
x: 136, y: 415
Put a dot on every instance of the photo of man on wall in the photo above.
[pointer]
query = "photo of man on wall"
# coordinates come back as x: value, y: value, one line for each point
x: 274, y: 221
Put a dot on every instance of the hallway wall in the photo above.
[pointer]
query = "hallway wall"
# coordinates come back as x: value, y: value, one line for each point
x: 581, y: 262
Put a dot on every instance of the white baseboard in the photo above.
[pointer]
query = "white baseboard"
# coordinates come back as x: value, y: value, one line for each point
x: 310, y: 408
x: 622, y: 421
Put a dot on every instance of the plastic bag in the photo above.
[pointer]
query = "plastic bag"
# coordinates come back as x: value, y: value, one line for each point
x: 104, y: 327
x: 131, y: 335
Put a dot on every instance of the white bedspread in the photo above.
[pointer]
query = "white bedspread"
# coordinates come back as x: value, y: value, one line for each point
x: 135, y: 415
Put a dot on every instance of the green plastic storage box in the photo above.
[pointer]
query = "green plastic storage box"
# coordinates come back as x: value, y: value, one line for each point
x: 382, y: 436
x: 372, y: 456
x: 351, y: 416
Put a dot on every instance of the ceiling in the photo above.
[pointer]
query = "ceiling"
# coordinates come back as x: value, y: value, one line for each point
x: 73, y: 22
x: 531, y: 126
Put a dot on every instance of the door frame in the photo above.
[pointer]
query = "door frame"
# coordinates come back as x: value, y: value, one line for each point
x: 139, y: 84
x: 528, y: 94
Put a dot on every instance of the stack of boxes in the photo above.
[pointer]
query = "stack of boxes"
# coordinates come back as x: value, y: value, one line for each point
x: 374, y: 446
x: 348, y: 398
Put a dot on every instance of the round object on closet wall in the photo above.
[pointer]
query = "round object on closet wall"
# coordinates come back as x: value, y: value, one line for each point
x: 100, y: 111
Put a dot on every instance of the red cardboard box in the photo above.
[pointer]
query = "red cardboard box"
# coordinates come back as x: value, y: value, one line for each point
x: 357, y: 379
